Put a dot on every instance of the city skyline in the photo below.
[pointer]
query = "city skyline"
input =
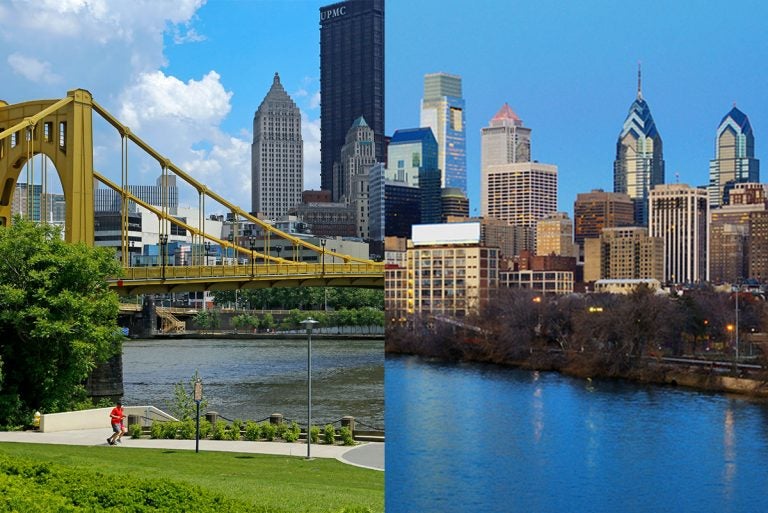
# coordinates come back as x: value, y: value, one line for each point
x: 570, y: 72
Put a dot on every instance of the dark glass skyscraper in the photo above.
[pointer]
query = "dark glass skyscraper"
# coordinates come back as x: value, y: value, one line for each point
x: 734, y: 160
x: 351, y: 77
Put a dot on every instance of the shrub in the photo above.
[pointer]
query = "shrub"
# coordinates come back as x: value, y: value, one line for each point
x: 187, y: 429
x: 252, y: 431
x: 314, y: 434
x: 234, y: 429
x: 280, y: 430
x: 329, y: 434
x: 170, y: 430
x: 346, y: 436
x: 134, y: 431
x: 205, y: 428
x: 220, y: 430
x: 156, y: 431
x: 292, y: 434
x: 268, y: 430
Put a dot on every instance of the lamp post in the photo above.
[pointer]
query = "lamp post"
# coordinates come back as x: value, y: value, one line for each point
x: 130, y: 255
x: 322, y: 243
x: 309, y: 323
x: 252, y: 244
x: 163, y: 244
x: 738, y: 289
x: 207, y: 246
x: 325, y: 288
x: 198, y: 395
x: 231, y: 238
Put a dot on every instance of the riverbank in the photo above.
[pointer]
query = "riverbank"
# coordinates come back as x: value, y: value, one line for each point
x: 650, y: 370
x: 261, y: 336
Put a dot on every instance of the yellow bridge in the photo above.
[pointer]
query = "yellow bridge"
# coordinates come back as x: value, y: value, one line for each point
x: 62, y: 131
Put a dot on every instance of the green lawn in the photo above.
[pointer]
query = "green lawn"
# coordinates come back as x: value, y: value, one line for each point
x: 268, y: 483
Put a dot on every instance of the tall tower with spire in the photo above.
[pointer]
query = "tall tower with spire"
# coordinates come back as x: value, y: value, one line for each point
x: 639, y: 164
x: 277, y: 162
x: 734, y: 160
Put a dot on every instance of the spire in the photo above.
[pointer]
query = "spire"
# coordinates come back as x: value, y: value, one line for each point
x: 639, y: 82
x: 276, y: 79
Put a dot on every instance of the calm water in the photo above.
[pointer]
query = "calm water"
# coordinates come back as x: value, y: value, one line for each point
x: 467, y: 438
x: 250, y: 379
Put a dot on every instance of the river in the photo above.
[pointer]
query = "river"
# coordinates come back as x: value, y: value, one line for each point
x: 470, y: 437
x: 251, y: 379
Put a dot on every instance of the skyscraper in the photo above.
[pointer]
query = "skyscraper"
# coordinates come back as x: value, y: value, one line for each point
x: 412, y: 159
x: 512, y: 188
x: 277, y: 163
x: 442, y: 110
x: 351, y: 77
x: 352, y: 172
x: 593, y: 211
x: 734, y: 160
x: 639, y: 164
x: 679, y: 214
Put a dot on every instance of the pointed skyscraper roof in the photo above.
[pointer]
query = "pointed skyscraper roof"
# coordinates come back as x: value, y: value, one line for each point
x: 359, y: 122
x: 739, y: 118
x: 506, y: 112
x: 276, y: 94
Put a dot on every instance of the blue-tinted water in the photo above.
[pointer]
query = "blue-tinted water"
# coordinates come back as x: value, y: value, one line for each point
x: 466, y: 438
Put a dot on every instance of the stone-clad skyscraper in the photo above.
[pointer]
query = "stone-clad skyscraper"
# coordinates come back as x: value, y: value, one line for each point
x: 639, y: 164
x: 442, y: 110
x: 277, y: 162
x: 734, y: 160
x: 351, y: 77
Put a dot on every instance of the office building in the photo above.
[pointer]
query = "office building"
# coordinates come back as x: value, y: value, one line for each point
x: 109, y: 200
x: 595, y: 210
x: 454, y: 203
x: 442, y: 110
x: 351, y: 77
x: 277, y: 154
x: 639, y: 164
x: 351, y: 173
x: 520, y: 193
x: 505, y: 140
x: 624, y: 253
x: 511, y: 240
x: 734, y: 160
x: 679, y: 215
x: 554, y: 236
x: 738, y: 239
x: 412, y: 160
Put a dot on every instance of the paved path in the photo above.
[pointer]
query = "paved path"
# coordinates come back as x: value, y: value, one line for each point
x: 368, y: 455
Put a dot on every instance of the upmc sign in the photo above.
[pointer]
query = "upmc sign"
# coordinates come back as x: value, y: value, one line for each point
x: 335, y: 12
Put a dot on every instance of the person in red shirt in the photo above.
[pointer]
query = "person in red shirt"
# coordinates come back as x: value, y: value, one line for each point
x: 116, y: 417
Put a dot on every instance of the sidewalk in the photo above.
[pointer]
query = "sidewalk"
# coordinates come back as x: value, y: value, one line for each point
x: 368, y: 455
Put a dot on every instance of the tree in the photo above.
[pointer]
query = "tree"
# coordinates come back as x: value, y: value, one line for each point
x: 58, y: 319
x: 207, y: 320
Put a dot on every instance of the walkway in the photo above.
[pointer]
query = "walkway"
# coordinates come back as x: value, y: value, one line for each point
x: 368, y: 455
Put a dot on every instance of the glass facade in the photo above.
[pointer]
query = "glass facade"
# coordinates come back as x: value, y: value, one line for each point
x: 442, y: 110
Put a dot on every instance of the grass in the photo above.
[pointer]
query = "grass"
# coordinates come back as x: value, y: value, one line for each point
x: 275, y: 483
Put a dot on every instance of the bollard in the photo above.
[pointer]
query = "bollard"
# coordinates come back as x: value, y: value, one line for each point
x: 349, y: 422
x: 133, y: 419
x: 276, y: 418
x: 212, y: 417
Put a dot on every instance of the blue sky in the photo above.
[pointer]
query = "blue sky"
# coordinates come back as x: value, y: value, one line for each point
x: 188, y: 75
x: 569, y: 69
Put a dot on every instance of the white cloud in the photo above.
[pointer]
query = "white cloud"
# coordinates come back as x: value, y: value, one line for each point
x: 32, y: 69
x: 314, y: 102
x: 310, y: 133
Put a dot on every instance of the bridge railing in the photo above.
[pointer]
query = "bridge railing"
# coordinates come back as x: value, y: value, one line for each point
x: 158, y: 272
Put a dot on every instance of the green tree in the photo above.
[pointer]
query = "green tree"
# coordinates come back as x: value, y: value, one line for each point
x: 183, y: 406
x: 207, y: 319
x: 58, y: 319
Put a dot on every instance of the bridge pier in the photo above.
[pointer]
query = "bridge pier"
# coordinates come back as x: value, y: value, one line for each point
x: 106, y: 380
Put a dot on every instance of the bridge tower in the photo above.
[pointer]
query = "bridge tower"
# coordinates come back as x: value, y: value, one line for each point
x: 62, y: 130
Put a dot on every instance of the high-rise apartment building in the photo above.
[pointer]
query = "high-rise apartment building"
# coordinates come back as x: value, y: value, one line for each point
x: 734, y: 160
x: 554, y: 236
x: 351, y: 77
x: 679, y: 214
x: 454, y: 203
x: 627, y: 253
x: 277, y: 154
x: 412, y: 160
x: 639, y: 164
x: 595, y: 210
x: 442, y: 110
x: 738, y: 239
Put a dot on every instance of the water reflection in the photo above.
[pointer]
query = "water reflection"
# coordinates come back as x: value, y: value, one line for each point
x: 476, y: 438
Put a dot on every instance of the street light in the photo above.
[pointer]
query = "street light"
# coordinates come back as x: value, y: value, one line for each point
x: 309, y: 323
x: 322, y: 243
x: 325, y: 288
x: 207, y: 246
x: 163, y: 243
x: 252, y: 244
